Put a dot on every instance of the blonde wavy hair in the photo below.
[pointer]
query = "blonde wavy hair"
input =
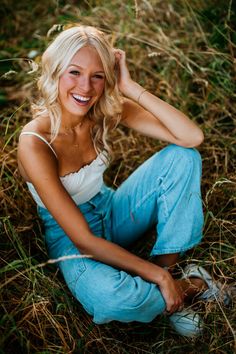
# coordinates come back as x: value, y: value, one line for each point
x: 106, y: 112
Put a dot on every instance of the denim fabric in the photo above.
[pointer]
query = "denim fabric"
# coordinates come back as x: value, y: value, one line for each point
x: 163, y: 192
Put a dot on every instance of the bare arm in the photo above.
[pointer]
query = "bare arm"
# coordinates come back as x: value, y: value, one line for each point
x: 152, y: 116
x: 41, y: 167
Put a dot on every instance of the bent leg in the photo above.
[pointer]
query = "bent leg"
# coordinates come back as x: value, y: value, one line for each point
x: 105, y: 293
x: 164, y: 191
x: 110, y: 294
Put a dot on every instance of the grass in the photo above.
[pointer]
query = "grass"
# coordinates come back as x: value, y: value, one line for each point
x: 183, y: 51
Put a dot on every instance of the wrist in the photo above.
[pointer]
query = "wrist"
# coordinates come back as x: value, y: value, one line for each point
x: 163, y: 276
x: 152, y: 272
x: 133, y: 90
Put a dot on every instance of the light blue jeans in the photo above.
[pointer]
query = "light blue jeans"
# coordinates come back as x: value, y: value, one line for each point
x: 163, y: 192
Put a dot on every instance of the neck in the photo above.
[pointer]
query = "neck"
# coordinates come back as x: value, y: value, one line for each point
x: 69, y: 125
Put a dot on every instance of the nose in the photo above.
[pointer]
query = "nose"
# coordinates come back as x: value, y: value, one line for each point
x: 85, y: 84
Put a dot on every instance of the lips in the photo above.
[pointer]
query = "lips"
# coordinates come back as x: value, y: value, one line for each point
x: 83, y: 100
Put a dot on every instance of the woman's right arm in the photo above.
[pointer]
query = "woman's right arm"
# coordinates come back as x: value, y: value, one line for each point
x: 41, y: 168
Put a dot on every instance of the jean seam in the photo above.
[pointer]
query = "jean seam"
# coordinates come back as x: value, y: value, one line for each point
x: 78, y: 270
x: 81, y: 272
x: 165, y: 204
x: 137, y: 206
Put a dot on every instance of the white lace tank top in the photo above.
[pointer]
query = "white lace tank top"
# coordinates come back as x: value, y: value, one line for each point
x: 81, y: 185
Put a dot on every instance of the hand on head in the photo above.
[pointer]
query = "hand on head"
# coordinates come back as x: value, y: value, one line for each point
x: 124, y: 77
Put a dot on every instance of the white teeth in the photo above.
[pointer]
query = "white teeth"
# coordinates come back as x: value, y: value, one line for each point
x: 81, y: 98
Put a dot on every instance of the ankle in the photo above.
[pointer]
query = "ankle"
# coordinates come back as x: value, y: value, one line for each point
x: 192, y: 287
x: 199, y: 284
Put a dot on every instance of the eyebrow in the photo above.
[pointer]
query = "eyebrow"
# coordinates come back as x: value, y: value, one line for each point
x: 99, y: 71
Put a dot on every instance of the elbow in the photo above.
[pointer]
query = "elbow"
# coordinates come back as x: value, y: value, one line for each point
x: 195, y: 141
x: 198, y: 139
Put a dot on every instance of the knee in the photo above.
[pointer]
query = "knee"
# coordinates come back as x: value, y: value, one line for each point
x: 190, y: 154
x: 183, y: 152
x: 182, y: 158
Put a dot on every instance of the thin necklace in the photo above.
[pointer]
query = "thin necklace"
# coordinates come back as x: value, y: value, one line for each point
x: 69, y: 130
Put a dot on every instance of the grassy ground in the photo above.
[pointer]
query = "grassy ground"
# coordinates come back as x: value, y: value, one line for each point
x: 183, y: 51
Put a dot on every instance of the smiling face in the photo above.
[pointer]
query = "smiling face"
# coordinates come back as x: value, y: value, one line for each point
x: 82, y: 83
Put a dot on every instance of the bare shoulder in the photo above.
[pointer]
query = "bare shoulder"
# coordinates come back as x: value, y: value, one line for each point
x: 39, y: 125
x: 33, y: 151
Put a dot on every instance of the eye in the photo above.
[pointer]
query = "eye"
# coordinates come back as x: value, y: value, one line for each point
x: 74, y: 72
x: 98, y: 76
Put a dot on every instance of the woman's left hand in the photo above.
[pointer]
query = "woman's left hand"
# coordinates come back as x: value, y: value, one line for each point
x: 124, y: 78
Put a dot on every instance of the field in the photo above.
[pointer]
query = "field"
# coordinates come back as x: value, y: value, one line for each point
x: 184, y: 52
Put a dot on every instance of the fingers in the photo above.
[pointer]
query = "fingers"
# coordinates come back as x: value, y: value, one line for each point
x: 122, y: 70
x: 120, y: 58
x: 119, y: 54
x: 175, y: 302
x: 172, y: 309
x: 169, y: 313
x: 118, y: 51
x: 172, y: 293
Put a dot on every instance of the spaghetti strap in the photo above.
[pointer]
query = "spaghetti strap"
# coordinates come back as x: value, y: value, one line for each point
x: 41, y: 138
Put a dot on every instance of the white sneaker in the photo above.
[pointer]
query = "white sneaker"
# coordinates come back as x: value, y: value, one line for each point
x: 187, y: 323
x: 215, y: 291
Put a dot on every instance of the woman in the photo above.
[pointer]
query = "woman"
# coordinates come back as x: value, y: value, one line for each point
x: 86, y: 90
